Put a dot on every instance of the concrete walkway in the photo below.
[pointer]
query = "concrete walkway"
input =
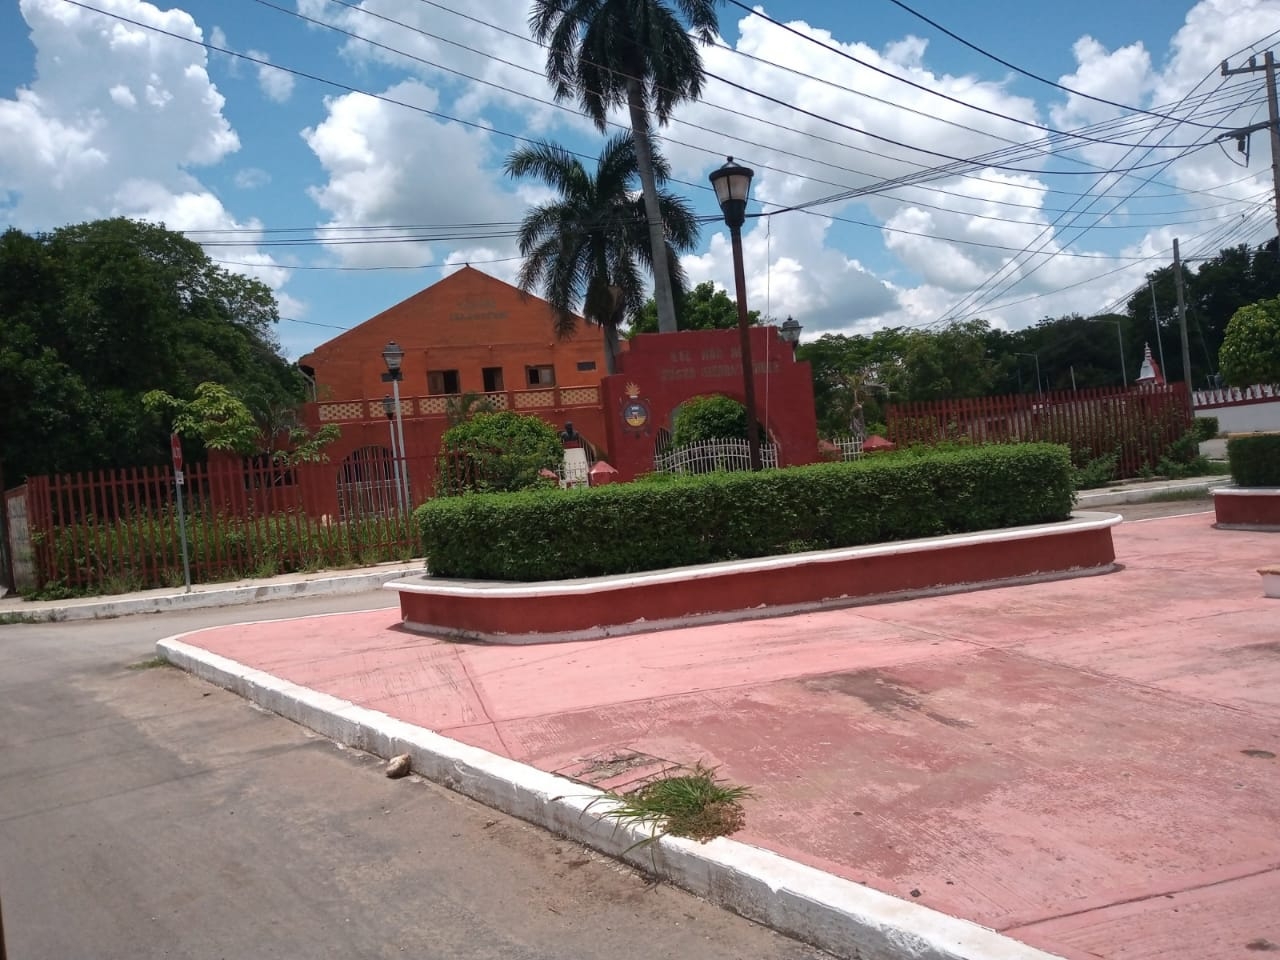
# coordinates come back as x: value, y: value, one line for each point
x: 1089, y: 766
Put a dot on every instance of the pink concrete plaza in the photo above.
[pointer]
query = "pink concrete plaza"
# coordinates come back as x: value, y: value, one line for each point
x: 1088, y: 765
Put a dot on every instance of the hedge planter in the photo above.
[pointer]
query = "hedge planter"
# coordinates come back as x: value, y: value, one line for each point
x: 597, y: 607
x: 1247, y: 508
x: 1254, y: 502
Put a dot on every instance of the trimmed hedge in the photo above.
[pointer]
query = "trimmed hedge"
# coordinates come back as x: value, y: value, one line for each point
x: 623, y: 528
x: 1255, y: 459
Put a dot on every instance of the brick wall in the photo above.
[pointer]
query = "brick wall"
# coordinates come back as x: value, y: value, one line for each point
x: 467, y: 322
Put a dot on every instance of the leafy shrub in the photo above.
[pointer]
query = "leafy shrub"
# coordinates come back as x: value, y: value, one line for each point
x: 1095, y: 473
x: 557, y: 534
x: 1255, y: 459
x: 497, y: 452
x: 713, y: 417
x: 1205, y: 428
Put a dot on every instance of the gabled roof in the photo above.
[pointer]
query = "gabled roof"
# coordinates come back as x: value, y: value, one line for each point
x: 421, y: 303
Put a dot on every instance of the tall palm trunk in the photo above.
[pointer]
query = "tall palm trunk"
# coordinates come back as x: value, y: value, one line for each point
x: 648, y: 185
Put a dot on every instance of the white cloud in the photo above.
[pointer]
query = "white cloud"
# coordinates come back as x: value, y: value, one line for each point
x: 489, y: 43
x: 275, y: 84
x: 388, y: 164
x: 250, y: 178
x: 113, y: 124
x: 110, y: 101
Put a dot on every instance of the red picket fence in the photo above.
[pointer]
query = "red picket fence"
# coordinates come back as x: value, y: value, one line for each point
x: 1137, y: 425
x: 117, y: 530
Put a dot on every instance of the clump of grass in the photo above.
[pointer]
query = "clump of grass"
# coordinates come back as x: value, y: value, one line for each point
x: 150, y: 664
x: 697, y: 805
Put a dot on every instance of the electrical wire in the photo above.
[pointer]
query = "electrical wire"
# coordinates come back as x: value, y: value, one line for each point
x: 756, y: 12
x: 1027, y: 73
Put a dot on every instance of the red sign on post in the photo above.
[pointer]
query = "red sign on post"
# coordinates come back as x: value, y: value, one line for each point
x: 175, y: 444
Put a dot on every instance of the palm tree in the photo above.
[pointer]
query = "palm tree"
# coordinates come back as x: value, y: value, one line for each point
x: 606, y: 53
x: 588, y: 246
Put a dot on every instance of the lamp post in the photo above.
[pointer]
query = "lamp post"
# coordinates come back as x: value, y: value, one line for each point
x: 393, y: 357
x: 790, y: 333
x: 389, y: 407
x: 732, y: 184
x: 1036, y: 358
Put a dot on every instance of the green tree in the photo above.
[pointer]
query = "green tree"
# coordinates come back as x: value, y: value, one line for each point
x: 705, y: 307
x: 220, y: 420
x: 853, y: 377
x: 93, y: 316
x: 498, y: 452
x: 637, y: 54
x: 1251, y: 349
x: 586, y: 246
x: 949, y: 363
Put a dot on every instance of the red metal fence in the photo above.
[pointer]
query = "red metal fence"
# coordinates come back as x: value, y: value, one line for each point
x: 1136, y: 425
x: 117, y: 530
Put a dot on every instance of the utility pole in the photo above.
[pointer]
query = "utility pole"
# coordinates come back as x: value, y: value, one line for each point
x: 1272, y: 124
x: 1182, y: 323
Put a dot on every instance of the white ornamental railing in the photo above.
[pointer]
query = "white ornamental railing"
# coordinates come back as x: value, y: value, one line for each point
x: 1232, y: 396
x: 850, y: 447
x: 711, y: 455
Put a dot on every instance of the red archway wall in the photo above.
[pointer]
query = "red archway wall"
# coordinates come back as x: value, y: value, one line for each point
x: 661, y: 371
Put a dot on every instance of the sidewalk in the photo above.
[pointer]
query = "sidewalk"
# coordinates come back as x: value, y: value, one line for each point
x: 1087, y: 766
x: 204, y: 595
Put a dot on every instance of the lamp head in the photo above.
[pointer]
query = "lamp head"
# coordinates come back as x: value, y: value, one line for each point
x: 393, y: 356
x: 732, y: 183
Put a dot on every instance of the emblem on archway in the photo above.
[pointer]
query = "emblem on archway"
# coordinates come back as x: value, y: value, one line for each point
x: 635, y: 412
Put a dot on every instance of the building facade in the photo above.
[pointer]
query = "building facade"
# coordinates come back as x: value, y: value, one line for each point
x: 475, y: 334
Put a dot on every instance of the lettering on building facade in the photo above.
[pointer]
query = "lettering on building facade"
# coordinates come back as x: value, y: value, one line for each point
x: 478, y: 308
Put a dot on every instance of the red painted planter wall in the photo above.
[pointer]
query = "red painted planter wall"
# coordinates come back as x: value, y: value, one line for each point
x: 1263, y: 511
x: 488, y: 616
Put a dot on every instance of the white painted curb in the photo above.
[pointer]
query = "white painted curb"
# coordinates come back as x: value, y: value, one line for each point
x: 107, y: 608
x: 1088, y: 499
x: 837, y: 915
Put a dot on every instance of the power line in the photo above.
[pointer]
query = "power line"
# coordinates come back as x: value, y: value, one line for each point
x: 1026, y: 73
x: 500, y: 29
x: 994, y: 286
x: 848, y: 56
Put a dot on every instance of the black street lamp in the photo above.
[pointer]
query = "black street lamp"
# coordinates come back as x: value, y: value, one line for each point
x: 393, y: 357
x: 732, y: 184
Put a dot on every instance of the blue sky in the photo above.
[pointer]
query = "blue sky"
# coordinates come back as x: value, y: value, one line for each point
x: 99, y: 117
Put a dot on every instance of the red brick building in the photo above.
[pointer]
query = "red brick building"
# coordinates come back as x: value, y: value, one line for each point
x: 473, y: 333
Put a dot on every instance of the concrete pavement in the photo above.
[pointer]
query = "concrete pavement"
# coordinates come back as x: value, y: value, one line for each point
x: 145, y: 815
x: 1087, y: 766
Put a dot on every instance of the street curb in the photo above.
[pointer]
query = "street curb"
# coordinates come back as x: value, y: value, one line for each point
x: 1087, y: 499
x: 107, y: 609
x: 837, y: 915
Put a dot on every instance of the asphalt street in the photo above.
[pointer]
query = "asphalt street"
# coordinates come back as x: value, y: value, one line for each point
x: 146, y: 814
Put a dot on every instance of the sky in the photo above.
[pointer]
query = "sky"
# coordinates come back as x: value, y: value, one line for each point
x: 349, y: 152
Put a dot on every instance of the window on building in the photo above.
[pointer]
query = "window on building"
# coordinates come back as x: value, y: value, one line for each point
x: 541, y: 376
x: 442, y: 382
x: 493, y: 379
x: 586, y: 364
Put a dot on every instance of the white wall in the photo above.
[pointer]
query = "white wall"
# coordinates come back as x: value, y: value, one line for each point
x: 1244, y: 417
